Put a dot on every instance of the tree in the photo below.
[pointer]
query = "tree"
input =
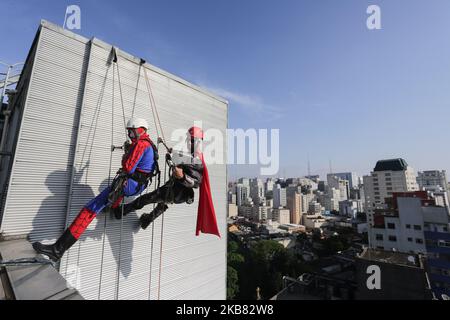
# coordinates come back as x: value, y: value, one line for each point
x: 232, y: 283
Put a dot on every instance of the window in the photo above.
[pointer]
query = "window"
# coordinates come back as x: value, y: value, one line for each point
x: 387, y: 174
x: 443, y: 243
x: 419, y: 241
x: 409, y: 239
x: 388, y: 183
x: 380, y: 248
x: 445, y: 229
x: 408, y: 226
x: 388, y: 179
x: 391, y: 225
x: 389, y: 188
x: 417, y: 227
x: 379, y: 237
x: 392, y: 238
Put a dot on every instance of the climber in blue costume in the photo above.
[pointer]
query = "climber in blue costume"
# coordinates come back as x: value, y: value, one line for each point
x: 138, y: 166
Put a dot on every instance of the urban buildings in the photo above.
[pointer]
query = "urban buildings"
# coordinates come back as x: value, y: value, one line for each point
x: 407, y: 227
x: 401, y: 225
x: 388, y: 176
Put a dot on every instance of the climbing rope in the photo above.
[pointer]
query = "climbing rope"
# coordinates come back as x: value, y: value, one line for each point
x: 157, y: 123
x: 123, y: 196
x: 109, y: 179
x: 137, y: 88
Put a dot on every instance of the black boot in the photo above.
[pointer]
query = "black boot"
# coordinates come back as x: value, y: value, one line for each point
x: 148, y: 218
x: 127, y: 208
x: 55, y: 251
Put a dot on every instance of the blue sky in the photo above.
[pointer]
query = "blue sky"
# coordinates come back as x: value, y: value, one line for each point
x: 335, y: 89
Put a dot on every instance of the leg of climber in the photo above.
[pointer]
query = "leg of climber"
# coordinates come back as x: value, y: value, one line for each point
x: 157, y: 196
x: 180, y: 195
x: 148, y: 218
x: 76, y: 229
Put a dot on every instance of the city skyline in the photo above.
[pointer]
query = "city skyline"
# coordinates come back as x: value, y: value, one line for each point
x: 324, y: 174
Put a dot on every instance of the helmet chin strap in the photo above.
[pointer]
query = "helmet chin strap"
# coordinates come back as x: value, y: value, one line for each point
x: 136, y: 134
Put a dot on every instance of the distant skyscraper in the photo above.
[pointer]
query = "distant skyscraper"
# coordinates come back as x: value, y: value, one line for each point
x: 335, y: 182
x: 294, y: 204
x: 257, y: 191
x: 242, y: 193
x: 351, y: 177
x: 268, y: 185
x: 279, y: 197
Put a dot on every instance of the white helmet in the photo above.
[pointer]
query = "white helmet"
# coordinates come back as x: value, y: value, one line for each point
x: 136, y: 123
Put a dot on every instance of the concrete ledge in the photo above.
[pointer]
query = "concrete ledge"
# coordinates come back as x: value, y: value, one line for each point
x: 38, y: 282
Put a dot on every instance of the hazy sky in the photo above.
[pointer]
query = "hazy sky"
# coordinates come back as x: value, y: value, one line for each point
x: 335, y: 89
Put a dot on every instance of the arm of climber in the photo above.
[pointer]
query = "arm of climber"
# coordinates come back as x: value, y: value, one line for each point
x: 136, y: 156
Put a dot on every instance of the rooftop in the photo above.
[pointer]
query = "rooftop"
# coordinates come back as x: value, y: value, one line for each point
x: 391, y: 165
x: 31, y: 282
x: 391, y: 257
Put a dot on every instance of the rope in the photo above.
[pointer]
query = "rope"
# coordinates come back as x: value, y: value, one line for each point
x: 157, y: 122
x: 123, y: 196
x: 161, y: 240
x: 151, y: 259
x: 109, y: 180
x: 153, y: 107
x: 137, y: 88
x: 121, y: 96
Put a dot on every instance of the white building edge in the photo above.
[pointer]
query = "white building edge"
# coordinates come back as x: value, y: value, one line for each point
x: 59, y: 138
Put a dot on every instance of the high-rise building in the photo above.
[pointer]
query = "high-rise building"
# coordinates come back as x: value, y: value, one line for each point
x: 330, y: 200
x: 263, y: 213
x: 279, y: 197
x: 314, y: 208
x: 432, y: 178
x: 350, y: 208
x: 257, y: 191
x: 388, y: 176
x: 351, y: 177
x: 244, y: 181
x: 436, y: 182
x: 242, y: 194
x: 294, y: 204
x: 335, y: 182
x: 231, y: 197
x: 306, y: 200
x: 268, y: 185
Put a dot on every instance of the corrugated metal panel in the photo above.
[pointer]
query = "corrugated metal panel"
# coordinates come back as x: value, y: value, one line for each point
x: 119, y: 261
x: 38, y: 185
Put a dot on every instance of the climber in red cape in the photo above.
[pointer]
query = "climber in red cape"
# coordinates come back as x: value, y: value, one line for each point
x: 206, y: 215
x: 186, y: 176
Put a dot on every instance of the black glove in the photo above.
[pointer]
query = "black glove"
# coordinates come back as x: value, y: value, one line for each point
x: 126, y: 147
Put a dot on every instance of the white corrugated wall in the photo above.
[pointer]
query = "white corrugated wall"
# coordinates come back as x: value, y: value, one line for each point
x: 114, y: 259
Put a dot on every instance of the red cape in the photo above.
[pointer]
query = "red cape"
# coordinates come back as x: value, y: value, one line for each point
x: 206, y: 215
